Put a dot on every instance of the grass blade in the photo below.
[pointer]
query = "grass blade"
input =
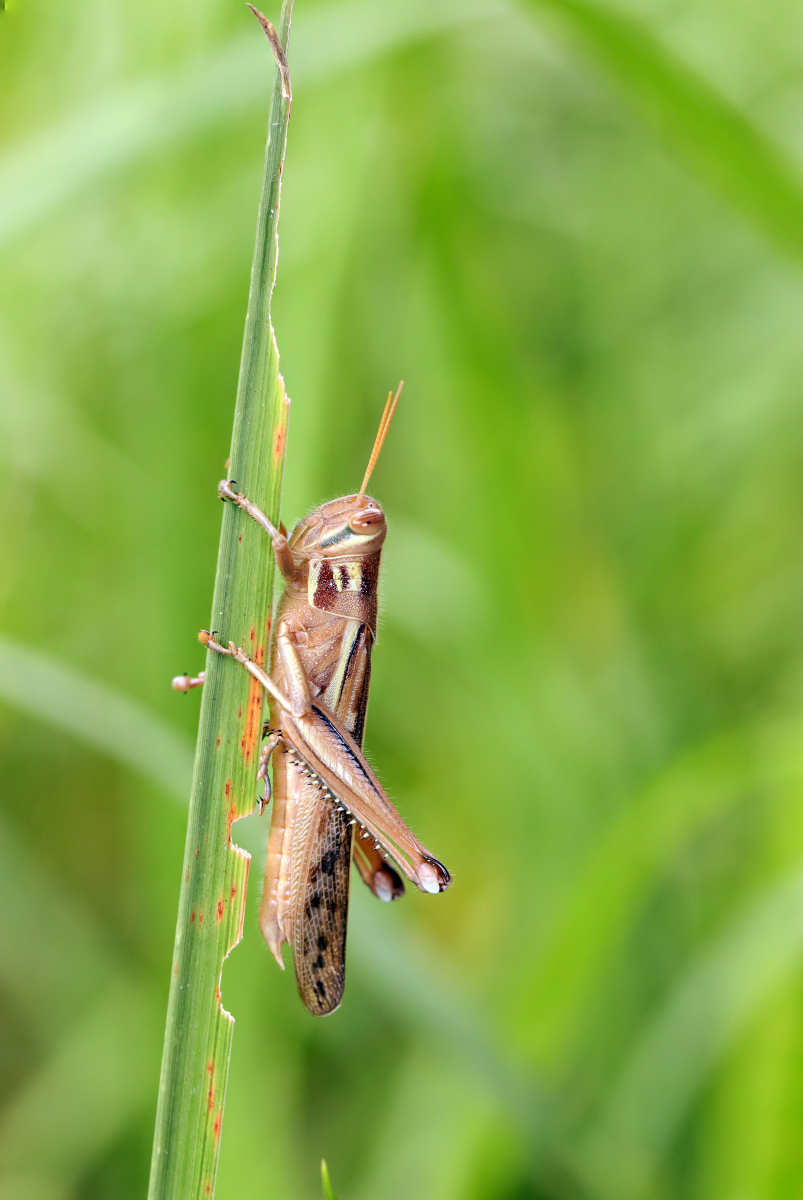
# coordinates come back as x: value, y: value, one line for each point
x: 328, y: 1194
x: 212, y: 902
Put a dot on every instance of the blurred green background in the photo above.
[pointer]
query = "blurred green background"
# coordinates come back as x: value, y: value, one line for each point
x: 576, y: 231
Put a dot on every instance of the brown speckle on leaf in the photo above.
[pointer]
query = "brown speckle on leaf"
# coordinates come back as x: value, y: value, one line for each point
x: 278, y: 443
x: 220, y: 910
x: 253, y: 720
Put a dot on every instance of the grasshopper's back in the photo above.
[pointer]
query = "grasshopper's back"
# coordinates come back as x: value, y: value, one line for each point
x: 330, y: 609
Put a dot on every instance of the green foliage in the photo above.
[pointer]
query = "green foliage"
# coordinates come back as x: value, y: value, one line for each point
x: 715, y: 138
x: 573, y: 230
x: 328, y: 1194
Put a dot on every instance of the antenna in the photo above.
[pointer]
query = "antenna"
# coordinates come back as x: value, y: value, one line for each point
x: 381, y: 433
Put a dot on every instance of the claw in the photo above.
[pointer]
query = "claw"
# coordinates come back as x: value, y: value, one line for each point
x: 264, y: 799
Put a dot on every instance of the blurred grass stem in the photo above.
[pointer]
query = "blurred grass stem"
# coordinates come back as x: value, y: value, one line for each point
x: 212, y: 902
x: 326, y: 1182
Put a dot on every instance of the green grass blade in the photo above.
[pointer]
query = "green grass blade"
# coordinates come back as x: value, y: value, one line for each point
x: 328, y: 1194
x: 212, y: 902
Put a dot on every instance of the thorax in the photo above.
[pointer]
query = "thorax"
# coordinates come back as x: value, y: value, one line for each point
x: 331, y: 612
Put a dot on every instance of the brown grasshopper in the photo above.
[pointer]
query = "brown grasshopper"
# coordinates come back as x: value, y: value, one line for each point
x: 323, y: 788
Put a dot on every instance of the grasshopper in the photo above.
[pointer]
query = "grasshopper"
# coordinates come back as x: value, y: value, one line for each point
x: 328, y: 805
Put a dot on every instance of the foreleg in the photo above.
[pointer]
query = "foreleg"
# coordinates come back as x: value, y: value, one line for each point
x: 281, y: 548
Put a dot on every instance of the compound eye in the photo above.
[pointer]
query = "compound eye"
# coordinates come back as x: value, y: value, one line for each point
x: 367, y: 520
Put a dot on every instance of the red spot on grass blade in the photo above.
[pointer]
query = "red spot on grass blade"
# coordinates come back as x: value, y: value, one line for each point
x: 220, y: 910
x: 232, y: 807
x: 253, y: 721
x: 278, y: 443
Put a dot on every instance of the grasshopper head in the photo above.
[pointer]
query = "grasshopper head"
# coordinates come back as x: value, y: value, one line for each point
x: 346, y: 528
